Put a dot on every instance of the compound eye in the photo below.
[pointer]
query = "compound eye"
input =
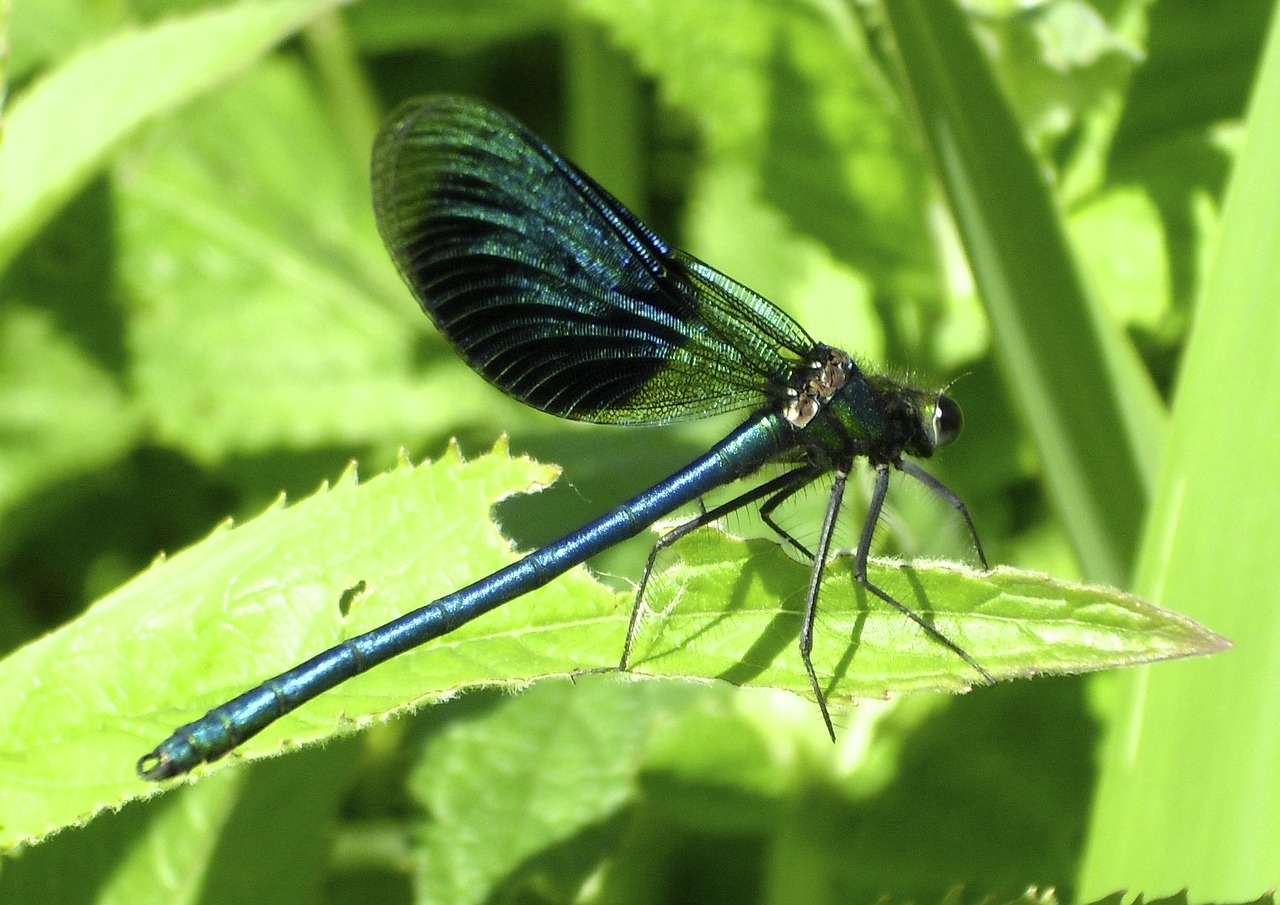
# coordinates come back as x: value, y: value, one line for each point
x: 946, y: 421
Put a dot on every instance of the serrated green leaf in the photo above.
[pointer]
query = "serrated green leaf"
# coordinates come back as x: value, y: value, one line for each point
x: 731, y: 609
x: 251, y: 601
x: 246, y: 603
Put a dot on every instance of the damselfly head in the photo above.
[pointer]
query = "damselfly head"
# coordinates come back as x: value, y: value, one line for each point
x: 927, y: 420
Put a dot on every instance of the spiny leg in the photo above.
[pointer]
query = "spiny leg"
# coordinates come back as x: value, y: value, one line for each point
x: 783, y: 484
x: 950, y: 497
x: 864, y: 547
x: 803, y: 480
x: 840, y: 476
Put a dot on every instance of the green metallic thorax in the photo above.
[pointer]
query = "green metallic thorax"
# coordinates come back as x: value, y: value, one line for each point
x: 870, y: 416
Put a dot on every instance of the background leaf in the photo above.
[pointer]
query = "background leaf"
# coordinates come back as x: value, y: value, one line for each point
x: 144, y: 74
x: 1186, y: 742
x: 1074, y: 375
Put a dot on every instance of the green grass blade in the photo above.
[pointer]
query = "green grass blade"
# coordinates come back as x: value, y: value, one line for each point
x: 1196, y: 752
x: 4, y: 61
x: 1096, y: 419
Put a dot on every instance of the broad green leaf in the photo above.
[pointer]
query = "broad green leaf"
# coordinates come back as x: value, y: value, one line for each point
x: 68, y: 400
x: 789, y: 94
x: 1064, y: 67
x: 731, y: 609
x: 264, y: 312
x: 554, y: 767
x: 43, y: 30
x: 249, y: 602
x: 242, y: 605
x: 143, y: 854
x: 1134, y: 286
x: 60, y: 411
x: 1170, y: 138
x: 109, y: 90
x: 203, y: 844
x: 742, y: 234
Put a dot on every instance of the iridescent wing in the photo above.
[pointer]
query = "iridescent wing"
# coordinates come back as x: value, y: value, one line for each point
x: 552, y: 290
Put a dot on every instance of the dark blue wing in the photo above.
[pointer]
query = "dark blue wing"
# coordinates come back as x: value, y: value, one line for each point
x: 552, y: 290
